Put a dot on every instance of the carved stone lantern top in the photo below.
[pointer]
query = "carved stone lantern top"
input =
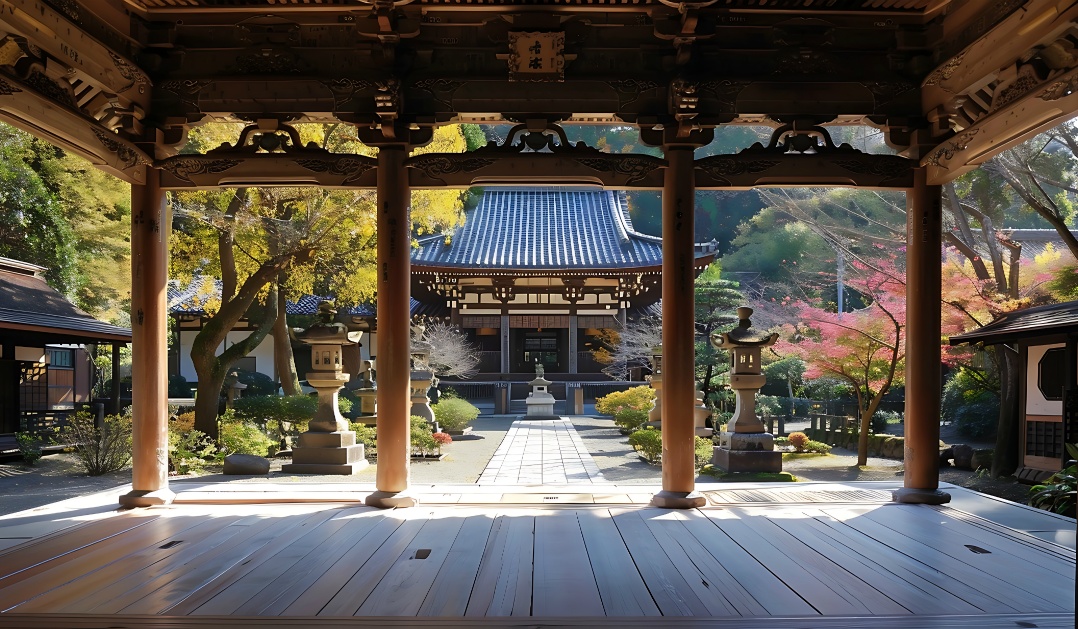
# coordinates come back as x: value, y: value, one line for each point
x: 327, y: 331
x: 743, y: 335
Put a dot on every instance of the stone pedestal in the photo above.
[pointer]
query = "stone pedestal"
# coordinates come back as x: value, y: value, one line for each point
x: 540, y: 402
x: 368, y: 405
x: 747, y: 452
x: 655, y: 414
x: 328, y: 447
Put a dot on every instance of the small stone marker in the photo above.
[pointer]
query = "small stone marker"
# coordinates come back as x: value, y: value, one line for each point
x: 246, y: 465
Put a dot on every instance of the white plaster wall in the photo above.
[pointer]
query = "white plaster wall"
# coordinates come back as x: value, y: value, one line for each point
x: 1035, y: 402
x: 263, y: 354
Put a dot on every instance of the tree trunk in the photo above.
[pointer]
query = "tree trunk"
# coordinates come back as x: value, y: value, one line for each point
x: 1006, y: 456
x: 282, y: 349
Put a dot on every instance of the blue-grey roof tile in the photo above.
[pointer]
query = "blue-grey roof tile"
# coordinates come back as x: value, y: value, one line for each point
x: 545, y: 228
x: 1023, y: 324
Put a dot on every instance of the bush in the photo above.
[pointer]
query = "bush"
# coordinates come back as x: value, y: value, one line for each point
x: 448, y: 393
x: 638, y: 398
x: 770, y: 405
x: 178, y: 386
x: 817, y: 447
x: 974, y: 411
x: 454, y: 414
x: 648, y: 442
x: 630, y: 419
x: 704, y: 449
x: 282, y: 414
x: 798, y: 440
x: 1057, y: 494
x: 257, y: 383
x: 29, y: 447
x: 422, y: 437
x: 442, y: 439
x: 239, y: 436
x: 368, y: 436
x: 103, y: 450
x: 880, y: 420
x: 188, y: 450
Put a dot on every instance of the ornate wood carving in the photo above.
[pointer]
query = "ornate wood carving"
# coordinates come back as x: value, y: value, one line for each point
x: 187, y: 168
x: 345, y: 89
x: 725, y: 91
x: 50, y: 89
x: 350, y: 168
x: 635, y: 167
x: 7, y: 89
x: 129, y: 155
x: 131, y: 72
x: 629, y: 90
x: 945, y: 153
x: 436, y: 166
x: 440, y: 90
x: 186, y: 90
x: 945, y: 71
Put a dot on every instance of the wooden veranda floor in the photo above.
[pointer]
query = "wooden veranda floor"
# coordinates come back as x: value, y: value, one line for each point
x: 736, y: 562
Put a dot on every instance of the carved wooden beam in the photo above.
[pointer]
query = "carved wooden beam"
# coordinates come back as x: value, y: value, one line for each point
x: 81, y: 56
x: 26, y: 108
x: 536, y: 155
x: 803, y: 157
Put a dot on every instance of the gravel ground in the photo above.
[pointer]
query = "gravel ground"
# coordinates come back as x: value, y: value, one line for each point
x: 58, y: 476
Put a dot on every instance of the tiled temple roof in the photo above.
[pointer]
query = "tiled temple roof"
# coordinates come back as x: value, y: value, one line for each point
x: 29, y: 304
x: 1022, y: 324
x: 546, y: 228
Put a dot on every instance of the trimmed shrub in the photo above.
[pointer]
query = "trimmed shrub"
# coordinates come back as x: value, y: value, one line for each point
x: 454, y: 414
x: 188, y: 450
x: 422, y: 437
x: 103, y: 450
x: 238, y: 436
x: 798, y: 440
x: 178, y: 386
x: 368, y: 436
x: 257, y: 382
x: 703, y: 452
x: 448, y: 393
x: 974, y: 411
x: 29, y: 447
x: 648, y: 442
x: 817, y: 447
x: 630, y: 419
x: 637, y: 398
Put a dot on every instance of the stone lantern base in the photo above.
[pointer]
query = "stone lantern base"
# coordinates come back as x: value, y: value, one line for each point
x: 747, y: 452
x: 331, y: 453
x: 540, y: 402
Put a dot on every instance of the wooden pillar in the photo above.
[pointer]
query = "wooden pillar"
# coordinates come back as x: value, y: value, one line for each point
x: 114, y: 391
x: 394, y: 330
x: 923, y: 273
x: 149, y: 345
x: 679, y: 384
x: 503, y: 334
x: 574, y: 342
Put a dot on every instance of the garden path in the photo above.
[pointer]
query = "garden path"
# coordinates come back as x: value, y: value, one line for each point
x: 545, y: 452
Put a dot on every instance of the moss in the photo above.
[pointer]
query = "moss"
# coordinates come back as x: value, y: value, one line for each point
x: 795, y: 456
x: 748, y: 477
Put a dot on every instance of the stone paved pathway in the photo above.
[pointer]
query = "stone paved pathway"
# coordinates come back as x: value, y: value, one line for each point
x: 547, y: 452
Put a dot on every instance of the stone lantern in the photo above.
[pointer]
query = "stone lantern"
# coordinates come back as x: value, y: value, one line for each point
x: 540, y: 403
x: 422, y: 376
x: 746, y: 446
x: 328, y: 446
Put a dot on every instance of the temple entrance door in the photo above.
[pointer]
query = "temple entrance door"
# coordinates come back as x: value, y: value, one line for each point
x: 548, y: 347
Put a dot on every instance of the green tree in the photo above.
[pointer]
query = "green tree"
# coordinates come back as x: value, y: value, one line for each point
x: 716, y: 303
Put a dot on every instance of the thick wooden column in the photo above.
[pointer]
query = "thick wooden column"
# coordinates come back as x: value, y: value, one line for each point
x: 149, y: 345
x: 394, y: 330
x: 923, y: 272
x: 679, y: 385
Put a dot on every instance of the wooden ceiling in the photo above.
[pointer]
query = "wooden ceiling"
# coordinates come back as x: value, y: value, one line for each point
x: 951, y: 82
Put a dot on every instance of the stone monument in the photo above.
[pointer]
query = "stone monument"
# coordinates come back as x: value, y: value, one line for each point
x: 366, y: 389
x: 422, y: 376
x: 328, y: 446
x: 540, y: 402
x: 746, y: 446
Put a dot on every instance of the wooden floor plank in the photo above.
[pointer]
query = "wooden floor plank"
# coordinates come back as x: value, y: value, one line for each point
x: 564, y: 582
x: 668, y: 588
x: 1020, y: 537
x: 621, y: 588
x: 54, y: 546
x: 665, y: 527
x: 331, y: 583
x: 452, y: 587
x: 95, y: 566
x: 358, y: 538
x: 170, y: 589
x: 713, y: 572
x: 504, y: 584
x: 825, y: 593
x: 244, y: 581
x: 965, y: 544
x: 771, y: 593
x: 924, y: 592
x: 846, y: 578
x: 401, y: 591
x: 1011, y: 599
x: 180, y: 575
x: 957, y: 529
